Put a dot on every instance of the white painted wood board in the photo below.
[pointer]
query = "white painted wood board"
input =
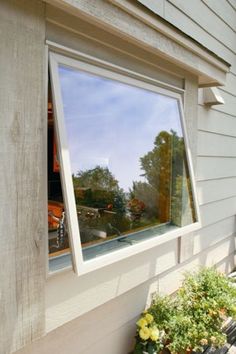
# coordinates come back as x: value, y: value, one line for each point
x: 217, y: 145
x: 227, y: 265
x: 215, y: 167
x: 158, y: 7
x: 213, y: 212
x: 80, y: 295
x: 230, y: 85
x: 122, y: 341
x: 214, y: 121
x: 212, y: 190
x: 186, y: 24
x: 210, y: 23
x: 232, y: 3
x: 213, y: 233
x: 103, y: 325
x: 229, y: 107
x: 223, y: 9
x: 113, y: 330
x: 169, y: 282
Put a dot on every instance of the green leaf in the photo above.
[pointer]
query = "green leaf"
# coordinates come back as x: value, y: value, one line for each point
x: 151, y: 348
x: 138, y: 348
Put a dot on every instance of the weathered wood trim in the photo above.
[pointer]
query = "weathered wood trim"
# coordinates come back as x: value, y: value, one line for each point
x: 83, y: 36
x: 23, y: 219
x: 128, y: 21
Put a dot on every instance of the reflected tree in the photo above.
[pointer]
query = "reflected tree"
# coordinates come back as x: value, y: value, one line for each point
x: 167, y: 181
x: 164, y: 196
x: 156, y: 191
x: 98, y: 188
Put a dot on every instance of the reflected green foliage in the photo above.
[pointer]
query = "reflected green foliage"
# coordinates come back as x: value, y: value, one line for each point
x: 98, y: 188
x: 164, y: 169
x: 103, y: 205
x: 98, y: 178
x: 156, y: 165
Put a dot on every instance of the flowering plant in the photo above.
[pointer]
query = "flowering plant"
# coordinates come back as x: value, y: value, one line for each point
x: 149, y: 338
x: 190, y: 320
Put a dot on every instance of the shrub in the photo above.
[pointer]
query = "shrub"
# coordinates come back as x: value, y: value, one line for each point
x: 190, y: 320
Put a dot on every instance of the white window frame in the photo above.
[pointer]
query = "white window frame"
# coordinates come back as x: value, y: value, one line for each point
x: 76, y: 60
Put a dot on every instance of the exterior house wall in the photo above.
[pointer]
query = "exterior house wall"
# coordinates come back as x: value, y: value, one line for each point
x: 212, y: 23
x: 98, y: 311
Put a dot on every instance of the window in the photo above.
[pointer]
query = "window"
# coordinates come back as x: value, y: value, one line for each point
x: 125, y: 171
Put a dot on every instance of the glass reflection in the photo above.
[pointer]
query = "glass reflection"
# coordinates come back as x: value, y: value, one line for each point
x: 127, y: 155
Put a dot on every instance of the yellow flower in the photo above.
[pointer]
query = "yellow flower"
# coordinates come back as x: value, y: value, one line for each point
x: 203, y: 341
x: 149, y: 318
x: 144, y: 333
x: 142, y: 322
x: 154, y: 335
x: 213, y: 339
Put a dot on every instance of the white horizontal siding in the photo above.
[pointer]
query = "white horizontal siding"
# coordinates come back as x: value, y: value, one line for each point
x: 108, y: 283
x: 209, y: 23
x: 217, y: 189
x: 210, y: 120
x: 223, y: 9
x: 118, y: 343
x: 215, y: 167
x: 212, y: 234
x: 155, y: 6
x: 232, y: 3
x: 169, y: 282
x: 188, y: 17
x: 110, y: 329
x: 230, y: 105
x: 230, y: 86
x: 219, y: 210
x: 98, y: 329
x: 187, y: 24
x: 219, y: 145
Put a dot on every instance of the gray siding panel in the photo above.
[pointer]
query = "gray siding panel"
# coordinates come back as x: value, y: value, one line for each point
x: 156, y: 6
x: 22, y: 173
x: 232, y: 3
x: 218, y: 189
x: 215, y: 167
x: 217, y: 145
x: 200, y: 14
x: 223, y: 9
x: 214, y: 121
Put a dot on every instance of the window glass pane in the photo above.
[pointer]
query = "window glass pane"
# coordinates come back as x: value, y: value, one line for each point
x: 128, y: 161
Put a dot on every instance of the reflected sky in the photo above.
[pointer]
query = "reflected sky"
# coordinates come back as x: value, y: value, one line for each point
x: 112, y: 124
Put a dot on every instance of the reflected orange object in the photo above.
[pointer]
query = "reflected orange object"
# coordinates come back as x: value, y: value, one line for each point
x: 56, y: 164
x: 55, y: 210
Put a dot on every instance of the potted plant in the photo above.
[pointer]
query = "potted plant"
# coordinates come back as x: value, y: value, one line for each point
x: 190, y: 320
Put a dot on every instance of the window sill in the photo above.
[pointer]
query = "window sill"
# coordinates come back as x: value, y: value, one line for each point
x: 148, y: 239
